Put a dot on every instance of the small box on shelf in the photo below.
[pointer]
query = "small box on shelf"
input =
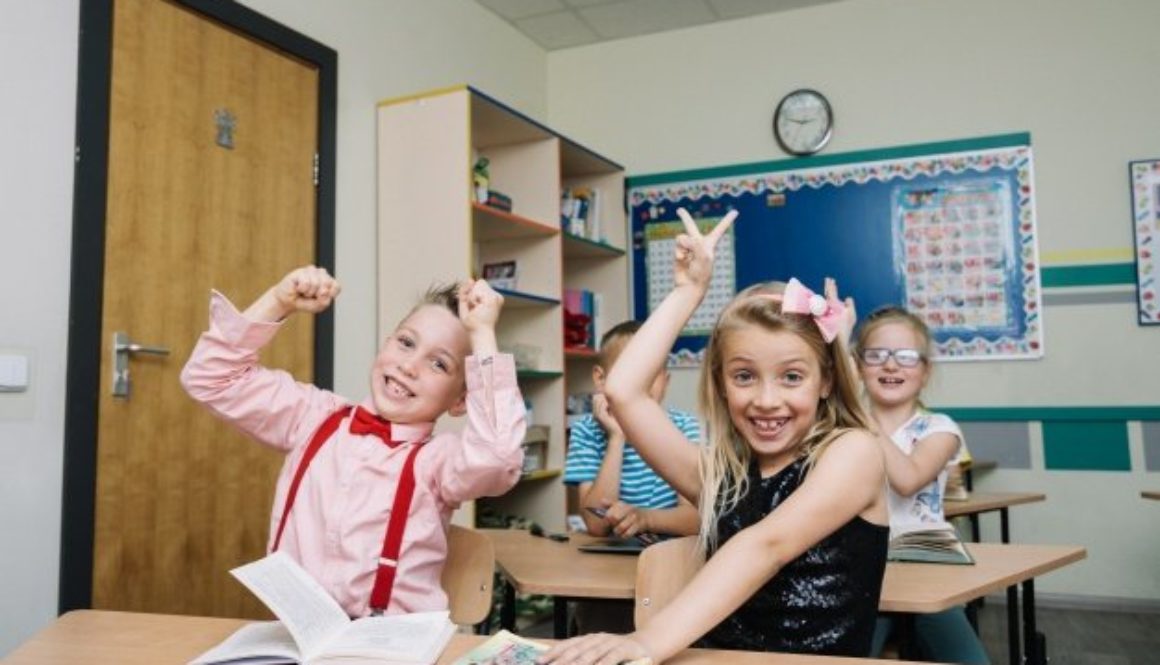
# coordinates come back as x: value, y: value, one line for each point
x: 501, y: 275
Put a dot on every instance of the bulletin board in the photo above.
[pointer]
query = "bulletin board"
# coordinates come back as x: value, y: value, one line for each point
x: 945, y: 229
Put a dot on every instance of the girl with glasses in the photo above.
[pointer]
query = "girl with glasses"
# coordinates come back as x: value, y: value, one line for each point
x: 892, y: 348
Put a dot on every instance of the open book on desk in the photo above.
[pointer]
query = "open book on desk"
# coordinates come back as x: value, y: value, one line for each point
x: 929, y: 544
x: 314, y: 629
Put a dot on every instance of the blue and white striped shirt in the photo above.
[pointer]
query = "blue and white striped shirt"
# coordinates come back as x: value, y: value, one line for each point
x: 640, y: 486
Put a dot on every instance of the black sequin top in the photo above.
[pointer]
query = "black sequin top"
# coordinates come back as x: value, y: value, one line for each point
x: 823, y: 602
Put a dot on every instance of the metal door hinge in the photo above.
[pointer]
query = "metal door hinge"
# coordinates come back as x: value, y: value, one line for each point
x: 316, y: 169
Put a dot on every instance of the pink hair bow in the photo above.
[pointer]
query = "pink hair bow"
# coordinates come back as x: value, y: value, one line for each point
x: 828, y: 314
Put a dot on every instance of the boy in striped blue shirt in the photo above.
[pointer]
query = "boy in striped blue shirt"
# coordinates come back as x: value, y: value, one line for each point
x: 613, y: 479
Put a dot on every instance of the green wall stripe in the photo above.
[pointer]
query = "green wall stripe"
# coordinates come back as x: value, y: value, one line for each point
x: 1086, y: 446
x: 874, y: 155
x: 1101, y: 274
x: 1052, y: 413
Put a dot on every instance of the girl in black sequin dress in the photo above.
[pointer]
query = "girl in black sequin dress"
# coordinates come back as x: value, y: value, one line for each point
x: 789, y: 487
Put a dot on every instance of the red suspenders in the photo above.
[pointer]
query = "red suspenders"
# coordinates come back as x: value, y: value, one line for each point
x: 396, y: 524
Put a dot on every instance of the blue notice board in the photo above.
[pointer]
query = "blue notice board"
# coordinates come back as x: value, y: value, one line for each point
x: 945, y: 229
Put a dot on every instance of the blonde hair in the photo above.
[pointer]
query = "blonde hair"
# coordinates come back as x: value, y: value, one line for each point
x: 725, y: 460
x: 892, y: 314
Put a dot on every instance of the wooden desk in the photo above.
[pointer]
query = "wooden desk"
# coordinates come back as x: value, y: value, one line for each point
x: 1150, y: 495
x: 537, y: 565
x: 984, y: 502
x: 925, y: 588
x: 531, y: 564
x: 126, y: 638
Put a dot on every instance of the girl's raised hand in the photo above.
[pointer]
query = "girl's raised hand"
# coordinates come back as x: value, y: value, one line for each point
x: 479, y: 305
x: 306, y: 289
x: 850, y: 316
x: 694, y: 252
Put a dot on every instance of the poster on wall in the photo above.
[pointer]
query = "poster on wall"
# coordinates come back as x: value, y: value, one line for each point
x: 946, y: 230
x: 1145, y: 180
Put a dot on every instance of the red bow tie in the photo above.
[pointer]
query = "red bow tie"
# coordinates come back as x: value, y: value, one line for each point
x: 365, y: 422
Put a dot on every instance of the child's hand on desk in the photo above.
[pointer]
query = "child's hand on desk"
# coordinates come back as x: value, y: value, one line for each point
x: 624, y: 519
x: 597, y: 648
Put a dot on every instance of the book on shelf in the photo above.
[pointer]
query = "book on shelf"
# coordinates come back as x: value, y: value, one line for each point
x: 505, y: 648
x: 580, y: 212
x: 312, y: 628
x: 580, y: 317
x: 932, y: 543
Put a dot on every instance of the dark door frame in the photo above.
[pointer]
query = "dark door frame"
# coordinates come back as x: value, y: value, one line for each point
x: 94, y: 74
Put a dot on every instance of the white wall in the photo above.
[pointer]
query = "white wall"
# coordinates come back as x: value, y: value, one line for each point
x: 38, y: 54
x: 386, y: 48
x: 1079, y: 75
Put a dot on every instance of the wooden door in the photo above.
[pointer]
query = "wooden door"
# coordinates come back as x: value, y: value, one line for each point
x: 212, y: 142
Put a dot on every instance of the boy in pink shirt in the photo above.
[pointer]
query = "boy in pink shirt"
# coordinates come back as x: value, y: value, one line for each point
x: 365, y: 496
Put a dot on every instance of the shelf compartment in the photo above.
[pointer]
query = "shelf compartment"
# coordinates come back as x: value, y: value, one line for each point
x: 576, y: 247
x: 488, y: 224
x: 521, y: 299
x: 542, y: 474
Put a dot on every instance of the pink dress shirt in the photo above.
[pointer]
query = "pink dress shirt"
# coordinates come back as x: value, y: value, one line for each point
x: 336, y: 528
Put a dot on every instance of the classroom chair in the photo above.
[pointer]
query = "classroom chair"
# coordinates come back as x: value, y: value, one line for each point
x: 662, y: 571
x: 467, y: 576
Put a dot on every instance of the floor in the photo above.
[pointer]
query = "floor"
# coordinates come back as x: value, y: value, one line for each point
x: 1080, y: 637
x: 1074, y: 637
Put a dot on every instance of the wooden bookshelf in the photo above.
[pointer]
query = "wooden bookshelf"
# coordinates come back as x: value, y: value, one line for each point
x: 432, y: 229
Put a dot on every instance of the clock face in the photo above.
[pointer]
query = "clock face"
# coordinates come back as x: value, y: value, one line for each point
x: 803, y: 122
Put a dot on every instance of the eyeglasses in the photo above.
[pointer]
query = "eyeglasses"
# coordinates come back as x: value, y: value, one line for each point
x: 904, y: 357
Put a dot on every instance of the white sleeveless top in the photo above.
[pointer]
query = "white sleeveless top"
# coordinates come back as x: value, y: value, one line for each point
x: 924, y: 508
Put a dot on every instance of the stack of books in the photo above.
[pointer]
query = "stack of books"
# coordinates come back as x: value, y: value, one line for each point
x: 580, y: 213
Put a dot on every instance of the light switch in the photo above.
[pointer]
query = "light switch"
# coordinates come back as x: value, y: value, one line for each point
x: 13, y: 373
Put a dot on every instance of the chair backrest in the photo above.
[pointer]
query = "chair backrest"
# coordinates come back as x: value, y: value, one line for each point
x: 468, y: 574
x: 662, y: 571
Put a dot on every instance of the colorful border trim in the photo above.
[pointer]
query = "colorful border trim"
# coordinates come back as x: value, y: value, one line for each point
x: 1145, y: 181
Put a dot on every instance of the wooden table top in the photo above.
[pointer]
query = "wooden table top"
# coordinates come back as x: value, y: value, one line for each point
x: 929, y: 587
x: 126, y: 638
x: 538, y: 565
x: 1147, y: 494
x: 979, y: 502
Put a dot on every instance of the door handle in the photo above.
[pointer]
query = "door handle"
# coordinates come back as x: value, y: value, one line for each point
x: 122, y: 350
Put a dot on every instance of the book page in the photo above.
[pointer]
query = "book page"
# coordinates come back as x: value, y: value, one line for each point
x: 311, y: 616
x: 418, y: 637
x: 255, y: 643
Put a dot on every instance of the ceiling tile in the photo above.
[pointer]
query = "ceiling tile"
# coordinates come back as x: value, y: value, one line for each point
x: 589, y: 3
x: 513, y: 10
x: 642, y: 17
x: 557, y: 30
x: 730, y: 9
